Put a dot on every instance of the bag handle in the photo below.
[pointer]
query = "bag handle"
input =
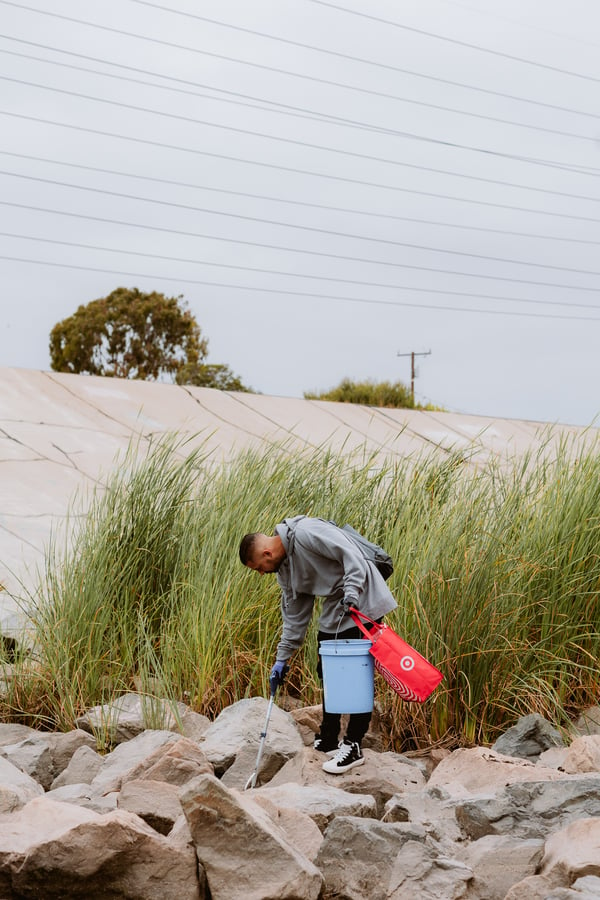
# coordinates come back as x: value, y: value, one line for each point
x: 354, y: 615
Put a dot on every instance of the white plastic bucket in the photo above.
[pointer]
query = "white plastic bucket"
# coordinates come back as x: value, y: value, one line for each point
x: 348, y: 675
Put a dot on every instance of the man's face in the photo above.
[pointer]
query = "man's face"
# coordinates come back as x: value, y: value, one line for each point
x: 266, y: 558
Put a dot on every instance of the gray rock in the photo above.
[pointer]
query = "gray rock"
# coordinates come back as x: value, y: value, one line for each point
x: 531, y: 809
x: 321, y: 802
x: 16, y: 787
x: 357, y: 856
x: 32, y: 756
x: 420, y: 872
x: 589, y: 721
x: 130, y: 715
x: 528, y: 738
x: 83, y: 767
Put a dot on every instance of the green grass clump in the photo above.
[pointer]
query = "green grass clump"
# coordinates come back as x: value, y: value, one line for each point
x: 497, y: 579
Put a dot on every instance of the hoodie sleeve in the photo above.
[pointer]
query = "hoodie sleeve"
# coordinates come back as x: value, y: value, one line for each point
x: 296, y: 613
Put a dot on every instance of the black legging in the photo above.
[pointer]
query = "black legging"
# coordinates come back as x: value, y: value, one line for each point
x: 358, y: 724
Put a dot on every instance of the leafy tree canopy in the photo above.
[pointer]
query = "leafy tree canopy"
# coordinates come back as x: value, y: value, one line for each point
x: 131, y: 334
x: 370, y: 393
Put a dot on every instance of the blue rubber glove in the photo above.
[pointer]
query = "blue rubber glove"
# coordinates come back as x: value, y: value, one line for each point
x: 278, y: 673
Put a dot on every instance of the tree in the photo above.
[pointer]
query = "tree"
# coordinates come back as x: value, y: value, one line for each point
x: 211, y: 375
x: 131, y: 334
x: 370, y: 393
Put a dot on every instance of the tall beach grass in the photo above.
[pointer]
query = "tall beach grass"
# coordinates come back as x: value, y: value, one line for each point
x: 497, y: 579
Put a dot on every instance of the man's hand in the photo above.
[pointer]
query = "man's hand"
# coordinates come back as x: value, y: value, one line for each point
x: 346, y: 604
x: 278, y: 673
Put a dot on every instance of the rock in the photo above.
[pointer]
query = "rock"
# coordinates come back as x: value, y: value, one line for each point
x: 583, y: 755
x: 381, y: 776
x: 531, y: 809
x: 63, y: 745
x: 475, y: 770
x: 432, y: 809
x: 83, y: 767
x: 118, y: 765
x: 588, y: 722
x: 299, y: 828
x: 240, y: 726
x: 33, y: 757
x: 13, y: 733
x: 498, y: 862
x: 57, y: 850
x: 572, y: 853
x: 82, y: 795
x: 357, y: 856
x: 419, y: 872
x: 175, y: 762
x: 130, y: 715
x: 321, y: 802
x: 16, y: 787
x: 528, y: 738
x: 229, y: 830
x: 156, y: 802
x: 536, y: 887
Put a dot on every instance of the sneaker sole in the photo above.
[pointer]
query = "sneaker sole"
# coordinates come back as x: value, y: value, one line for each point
x: 341, y: 769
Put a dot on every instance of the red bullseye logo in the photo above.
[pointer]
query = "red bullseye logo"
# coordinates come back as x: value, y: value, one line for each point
x: 407, y: 663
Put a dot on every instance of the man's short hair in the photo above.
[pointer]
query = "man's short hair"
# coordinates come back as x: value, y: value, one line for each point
x: 247, y: 545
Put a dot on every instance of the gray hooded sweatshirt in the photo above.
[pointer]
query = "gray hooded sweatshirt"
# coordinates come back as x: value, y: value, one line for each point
x: 323, y: 561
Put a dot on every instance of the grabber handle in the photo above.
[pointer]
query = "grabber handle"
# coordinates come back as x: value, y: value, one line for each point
x: 276, y: 681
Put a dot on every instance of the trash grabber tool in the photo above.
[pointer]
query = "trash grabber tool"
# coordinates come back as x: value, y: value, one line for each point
x: 274, y: 683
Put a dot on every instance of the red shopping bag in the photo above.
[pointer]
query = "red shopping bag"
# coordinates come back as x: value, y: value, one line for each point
x: 406, y: 671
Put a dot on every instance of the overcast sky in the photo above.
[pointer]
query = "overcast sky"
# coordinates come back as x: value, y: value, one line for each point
x: 328, y: 184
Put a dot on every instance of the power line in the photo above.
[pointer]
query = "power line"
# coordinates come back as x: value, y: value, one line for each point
x: 551, y: 164
x: 302, y: 203
x: 300, y: 250
x: 441, y: 37
x: 287, y: 72
x: 369, y: 301
x: 272, y: 105
x: 263, y: 271
x: 309, y: 228
x: 295, y: 170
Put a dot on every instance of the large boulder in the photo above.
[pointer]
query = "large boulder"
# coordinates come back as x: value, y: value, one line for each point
x: 381, y: 776
x: 322, y: 803
x: 244, y: 854
x: 175, y: 762
x: 476, y: 770
x: 58, y: 850
x: 131, y: 714
x: 32, y: 756
x: 531, y: 809
x: 126, y: 758
x: 498, y: 862
x: 420, y: 871
x: 239, y: 727
x: 528, y: 738
x: 357, y: 856
x: 83, y: 767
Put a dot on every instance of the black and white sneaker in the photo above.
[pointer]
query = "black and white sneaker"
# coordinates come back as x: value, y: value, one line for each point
x: 347, y: 757
x: 323, y: 745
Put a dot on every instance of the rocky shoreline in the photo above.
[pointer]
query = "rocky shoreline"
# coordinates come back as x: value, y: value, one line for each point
x: 165, y: 814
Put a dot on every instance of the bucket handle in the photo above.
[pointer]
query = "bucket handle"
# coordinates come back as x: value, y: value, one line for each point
x: 374, y: 633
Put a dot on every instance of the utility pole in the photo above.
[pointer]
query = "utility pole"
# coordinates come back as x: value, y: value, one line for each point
x: 412, y: 355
